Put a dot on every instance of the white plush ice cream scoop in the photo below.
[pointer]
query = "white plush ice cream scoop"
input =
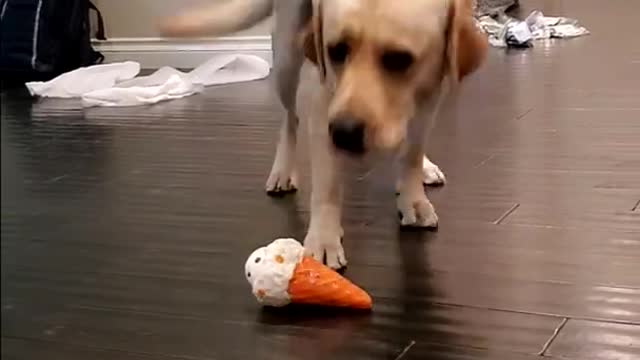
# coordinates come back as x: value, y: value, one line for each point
x: 270, y: 268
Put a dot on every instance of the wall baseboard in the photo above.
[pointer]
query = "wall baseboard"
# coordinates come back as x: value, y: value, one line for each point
x: 154, y: 53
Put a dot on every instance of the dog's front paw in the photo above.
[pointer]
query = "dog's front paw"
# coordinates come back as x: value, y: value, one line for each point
x: 281, y: 181
x: 283, y: 177
x: 325, y: 245
x: 431, y: 173
x: 416, y: 210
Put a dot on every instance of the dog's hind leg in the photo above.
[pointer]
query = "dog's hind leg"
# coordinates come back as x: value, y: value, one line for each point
x: 288, y: 60
x: 431, y: 173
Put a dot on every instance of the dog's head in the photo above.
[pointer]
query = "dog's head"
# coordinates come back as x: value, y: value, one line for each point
x: 377, y: 59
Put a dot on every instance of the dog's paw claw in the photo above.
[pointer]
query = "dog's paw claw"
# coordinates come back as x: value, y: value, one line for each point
x: 280, y: 182
x: 326, y: 247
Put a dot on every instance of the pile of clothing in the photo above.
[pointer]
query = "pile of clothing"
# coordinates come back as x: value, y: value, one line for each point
x: 506, y: 31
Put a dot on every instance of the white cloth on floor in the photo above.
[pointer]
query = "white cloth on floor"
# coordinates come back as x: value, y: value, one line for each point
x: 84, y: 80
x: 116, y: 84
x: 226, y: 69
x: 174, y: 87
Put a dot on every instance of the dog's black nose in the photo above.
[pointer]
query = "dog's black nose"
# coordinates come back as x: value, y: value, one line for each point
x: 347, y: 134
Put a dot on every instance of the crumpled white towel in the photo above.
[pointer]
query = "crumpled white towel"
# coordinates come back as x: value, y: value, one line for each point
x: 174, y: 87
x: 226, y: 69
x: 83, y: 80
x: 116, y: 84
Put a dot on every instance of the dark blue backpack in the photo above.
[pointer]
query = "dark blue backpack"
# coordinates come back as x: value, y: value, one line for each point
x: 40, y: 39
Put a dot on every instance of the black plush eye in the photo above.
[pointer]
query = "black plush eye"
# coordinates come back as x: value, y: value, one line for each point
x: 257, y: 260
x: 397, y: 61
x: 338, y: 52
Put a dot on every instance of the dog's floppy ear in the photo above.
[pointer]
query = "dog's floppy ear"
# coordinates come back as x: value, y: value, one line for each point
x: 312, y: 42
x: 466, y: 45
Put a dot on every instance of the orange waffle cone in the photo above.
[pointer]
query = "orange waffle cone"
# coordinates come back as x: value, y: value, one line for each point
x: 315, y: 284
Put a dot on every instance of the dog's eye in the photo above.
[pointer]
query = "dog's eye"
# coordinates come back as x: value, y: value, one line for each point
x: 338, y: 52
x: 397, y: 61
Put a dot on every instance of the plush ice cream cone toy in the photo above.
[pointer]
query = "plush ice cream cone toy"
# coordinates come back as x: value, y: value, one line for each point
x: 280, y: 274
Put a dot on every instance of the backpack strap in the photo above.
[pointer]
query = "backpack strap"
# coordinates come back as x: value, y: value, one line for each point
x: 100, y: 35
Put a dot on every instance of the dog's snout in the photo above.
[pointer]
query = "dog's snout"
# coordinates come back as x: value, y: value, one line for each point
x: 347, y: 133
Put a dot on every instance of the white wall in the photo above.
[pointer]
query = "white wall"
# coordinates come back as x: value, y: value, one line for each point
x: 132, y: 35
x: 137, y: 18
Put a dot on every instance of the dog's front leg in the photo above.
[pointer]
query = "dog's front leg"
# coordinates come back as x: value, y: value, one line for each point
x: 414, y: 206
x: 324, y: 237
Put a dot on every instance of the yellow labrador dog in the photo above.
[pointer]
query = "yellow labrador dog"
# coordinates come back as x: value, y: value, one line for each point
x: 384, y: 69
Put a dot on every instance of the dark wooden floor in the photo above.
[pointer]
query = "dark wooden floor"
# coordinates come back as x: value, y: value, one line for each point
x: 124, y: 231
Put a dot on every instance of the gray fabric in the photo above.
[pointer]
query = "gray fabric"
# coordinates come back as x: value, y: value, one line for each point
x: 485, y: 7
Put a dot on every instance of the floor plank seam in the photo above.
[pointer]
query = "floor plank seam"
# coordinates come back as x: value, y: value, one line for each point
x: 557, y: 330
x: 20, y: 269
x: 538, y: 313
x: 202, y: 317
x: 499, y: 220
x: 236, y: 322
x: 524, y: 114
x: 486, y: 160
x: 405, y: 350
